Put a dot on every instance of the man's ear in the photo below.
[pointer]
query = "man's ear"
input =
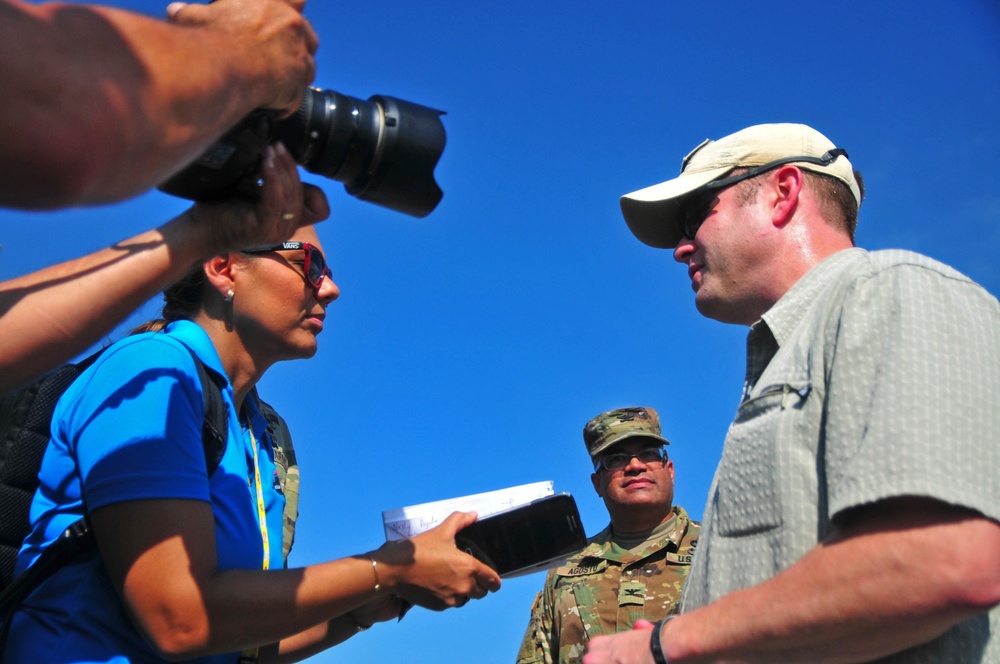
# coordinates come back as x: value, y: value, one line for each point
x: 596, y: 481
x: 220, y: 273
x: 787, y: 182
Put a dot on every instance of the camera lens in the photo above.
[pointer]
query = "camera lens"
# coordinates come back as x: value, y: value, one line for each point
x: 384, y: 150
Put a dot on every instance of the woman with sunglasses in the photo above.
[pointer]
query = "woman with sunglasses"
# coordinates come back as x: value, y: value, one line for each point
x: 190, y: 565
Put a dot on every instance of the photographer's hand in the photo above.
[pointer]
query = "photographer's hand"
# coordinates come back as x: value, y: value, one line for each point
x: 281, y: 43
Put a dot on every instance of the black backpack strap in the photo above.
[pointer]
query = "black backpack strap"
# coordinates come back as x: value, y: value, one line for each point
x: 79, y: 537
x: 74, y: 540
x: 215, y: 426
x: 26, y: 419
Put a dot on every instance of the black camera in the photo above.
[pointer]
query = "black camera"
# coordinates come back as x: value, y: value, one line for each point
x: 384, y: 150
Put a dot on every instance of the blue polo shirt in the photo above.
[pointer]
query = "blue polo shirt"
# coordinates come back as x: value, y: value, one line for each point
x: 130, y: 429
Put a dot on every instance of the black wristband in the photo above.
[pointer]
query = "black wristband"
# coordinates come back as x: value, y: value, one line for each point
x: 655, y: 646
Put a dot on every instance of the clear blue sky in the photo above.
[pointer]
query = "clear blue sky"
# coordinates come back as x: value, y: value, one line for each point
x: 469, y: 348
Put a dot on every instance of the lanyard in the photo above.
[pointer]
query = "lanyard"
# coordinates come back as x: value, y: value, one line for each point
x: 251, y: 656
x: 259, y: 491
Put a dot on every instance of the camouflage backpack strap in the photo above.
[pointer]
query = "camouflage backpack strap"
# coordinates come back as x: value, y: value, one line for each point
x: 288, y: 470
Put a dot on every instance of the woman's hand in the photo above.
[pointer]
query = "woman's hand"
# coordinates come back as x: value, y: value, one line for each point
x: 285, y: 204
x: 381, y: 609
x: 430, y: 571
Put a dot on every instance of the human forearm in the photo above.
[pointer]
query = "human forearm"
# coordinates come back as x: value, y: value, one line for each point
x: 108, y: 103
x: 280, y: 608
x: 160, y: 554
x: 307, y: 643
x: 872, y: 591
x: 300, y: 615
x: 52, y: 315
x: 49, y: 316
x: 310, y: 642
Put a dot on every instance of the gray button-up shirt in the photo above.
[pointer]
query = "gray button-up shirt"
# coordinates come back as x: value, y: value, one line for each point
x: 876, y: 376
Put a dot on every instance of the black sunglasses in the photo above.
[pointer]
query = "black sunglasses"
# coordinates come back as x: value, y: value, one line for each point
x: 702, y: 199
x: 619, y: 460
x: 314, y: 268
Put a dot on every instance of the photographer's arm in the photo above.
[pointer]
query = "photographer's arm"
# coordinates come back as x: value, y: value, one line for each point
x: 100, y: 104
x: 48, y: 317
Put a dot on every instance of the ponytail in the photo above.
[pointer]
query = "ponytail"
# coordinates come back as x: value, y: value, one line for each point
x: 182, y: 300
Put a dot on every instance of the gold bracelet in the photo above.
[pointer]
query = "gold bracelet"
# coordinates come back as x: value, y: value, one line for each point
x: 378, y: 584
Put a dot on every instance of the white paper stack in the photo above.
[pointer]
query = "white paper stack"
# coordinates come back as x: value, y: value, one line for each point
x: 408, y: 521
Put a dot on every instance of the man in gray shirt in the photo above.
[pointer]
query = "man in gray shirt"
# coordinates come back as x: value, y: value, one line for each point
x: 854, y: 513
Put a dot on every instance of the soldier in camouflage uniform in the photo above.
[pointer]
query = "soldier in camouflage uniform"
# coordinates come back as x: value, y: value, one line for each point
x: 636, y: 566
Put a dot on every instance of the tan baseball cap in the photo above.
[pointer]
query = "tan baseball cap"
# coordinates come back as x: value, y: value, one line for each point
x: 654, y: 214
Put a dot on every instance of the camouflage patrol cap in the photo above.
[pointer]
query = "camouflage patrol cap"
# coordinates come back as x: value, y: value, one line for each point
x: 614, y: 426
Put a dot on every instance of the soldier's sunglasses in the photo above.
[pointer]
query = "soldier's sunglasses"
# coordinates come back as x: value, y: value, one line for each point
x: 618, y: 460
x: 702, y: 200
x: 314, y: 267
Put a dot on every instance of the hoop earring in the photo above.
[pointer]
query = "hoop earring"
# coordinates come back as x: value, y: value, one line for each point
x: 229, y: 296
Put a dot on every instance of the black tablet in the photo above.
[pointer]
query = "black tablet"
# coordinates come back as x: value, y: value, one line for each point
x: 528, y: 538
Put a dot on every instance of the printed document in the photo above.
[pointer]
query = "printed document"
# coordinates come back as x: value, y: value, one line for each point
x: 408, y: 521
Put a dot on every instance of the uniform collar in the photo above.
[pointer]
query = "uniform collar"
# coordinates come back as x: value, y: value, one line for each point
x: 602, y: 545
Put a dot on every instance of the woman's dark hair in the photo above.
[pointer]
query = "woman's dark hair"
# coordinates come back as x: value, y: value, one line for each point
x: 181, y: 301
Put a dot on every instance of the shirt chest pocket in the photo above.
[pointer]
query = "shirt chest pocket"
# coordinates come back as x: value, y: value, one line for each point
x: 749, y: 494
